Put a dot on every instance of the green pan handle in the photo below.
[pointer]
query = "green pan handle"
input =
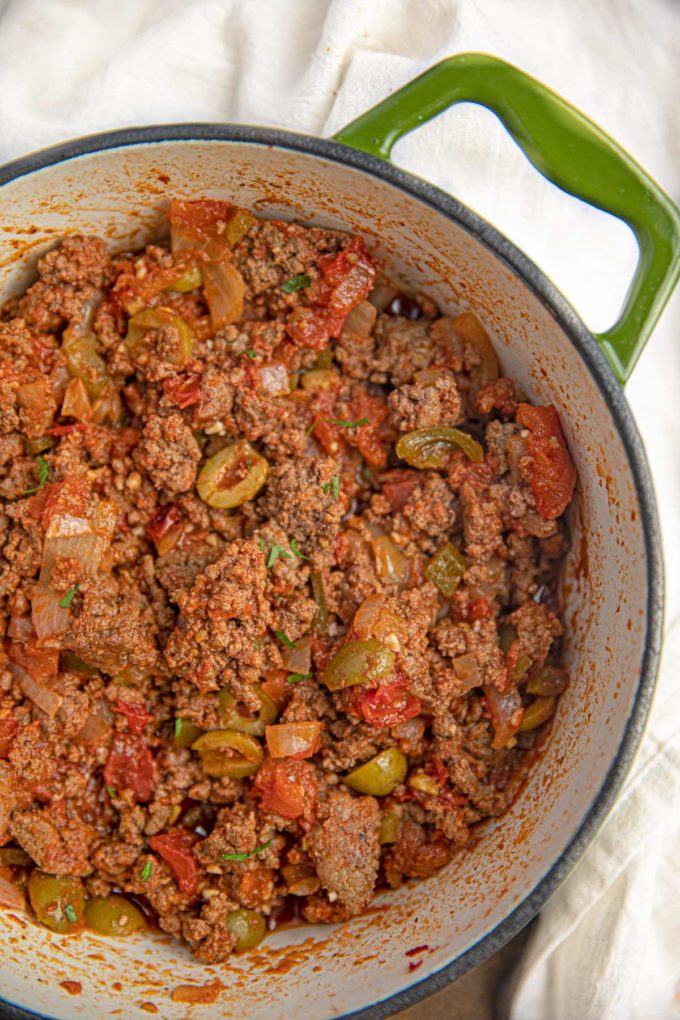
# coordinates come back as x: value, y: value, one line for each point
x: 570, y: 151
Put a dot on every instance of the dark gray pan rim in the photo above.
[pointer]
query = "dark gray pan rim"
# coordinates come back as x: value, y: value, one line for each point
x: 611, y: 392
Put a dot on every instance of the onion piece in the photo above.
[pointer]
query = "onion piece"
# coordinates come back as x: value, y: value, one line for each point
x: 506, y: 714
x: 76, y: 403
x: 45, y: 699
x: 224, y: 289
x: 10, y: 896
x: 274, y: 378
x: 33, y: 395
x: 467, y: 671
x: 390, y: 563
x: 367, y: 615
x: 20, y: 628
x: 360, y: 320
x: 94, y: 727
x: 294, y: 740
x: 298, y: 659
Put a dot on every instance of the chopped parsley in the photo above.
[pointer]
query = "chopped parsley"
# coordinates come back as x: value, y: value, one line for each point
x: 251, y: 853
x: 178, y: 728
x: 70, y: 913
x: 43, y: 471
x: 311, y: 428
x: 350, y: 424
x: 326, y: 488
x: 296, y: 283
x: 295, y: 678
x: 146, y: 872
x: 260, y: 542
x: 275, y: 552
x: 285, y: 639
x: 249, y: 353
x: 295, y: 550
x: 68, y: 597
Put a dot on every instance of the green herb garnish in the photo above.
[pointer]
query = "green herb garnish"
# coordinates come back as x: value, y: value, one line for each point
x: 311, y: 428
x: 335, y: 485
x: 178, y: 728
x: 68, y: 597
x: 43, y: 471
x: 260, y: 542
x: 295, y: 550
x: 146, y: 872
x: 70, y: 913
x: 326, y: 488
x: 295, y: 678
x: 285, y: 639
x: 350, y: 424
x: 251, y: 853
x: 249, y: 353
x: 296, y: 283
x: 275, y: 552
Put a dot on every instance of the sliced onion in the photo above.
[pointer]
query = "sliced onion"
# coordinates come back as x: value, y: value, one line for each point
x: 76, y: 403
x: 506, y: 714
x: 467, y: 671
x: 20, y: 628
x: 374, y: 619
x: 40, y: 695
x: 33, y: 395
x: 274, y: 378
x: 224, y: 289
x: 294, y: 740
x: 390, y: 563
x: 367, y: 615
x: 10, y: 896
x: 360, y: 320
x: 298, y: 659
x: 94, y: 727
x: 494, y: 583
x: 383, y: 294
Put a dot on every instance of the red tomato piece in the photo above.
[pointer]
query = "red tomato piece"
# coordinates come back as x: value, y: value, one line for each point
x: 183, y: 390
x: 398, y: 485
x: 177, y: 850
x: 66, y: 430
x: 9, y: 728
x: 130, y: 766
x: 71, y: 496
x: 39, y: 663
x: 369, y: 439
x: 287, y: 787
x: 553, y: 475
x: 202, y: 213
x: 166, y: 528
x: 136, y: 715
x: 388, y: 705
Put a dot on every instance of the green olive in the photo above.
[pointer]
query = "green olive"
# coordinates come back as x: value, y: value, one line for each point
x: 59, y: 903
x: 359, y: 662
x: 190, y: 279
x: 548, y: 681
x: 232, y: 720
x: 446, y: 569
x: 248, y: 926
x: 233, y: 476
x: 390, y: 824
x: 521, y: 667
x: 429, y: 448
x: 381, y: 775
x: 186, y: 733
x: 113, y: 915
x: 538, y: 712
x: 228, y: 753
x: 160, y: 318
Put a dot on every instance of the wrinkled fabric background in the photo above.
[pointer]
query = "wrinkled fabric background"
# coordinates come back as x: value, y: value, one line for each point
x: 606, y: 944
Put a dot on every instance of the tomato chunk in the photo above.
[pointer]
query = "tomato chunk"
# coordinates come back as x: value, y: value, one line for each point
x: 553, y: 475
x: 183, y: 390
x: 130, y: 766
x: 388, y: 705
x: 136, y: 715
x: 9, y: 728
x: 177, y: 850
x: 166, y: 528
x: 398, y: 486
x: 287, y: 787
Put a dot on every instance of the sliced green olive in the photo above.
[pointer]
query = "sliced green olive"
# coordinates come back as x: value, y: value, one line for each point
x: 520, y: 668
x: 84, y: 362
x: 232, y: 720
x: 446, y: 569
x: 248, y: 926
x: 430, y: 448
x: 390, y: 824
x: 59, y: 903
x: 160, y: 318
x: 538, y: 712
x: 233, y: 476
x: 113, y: 915
x: 186, y: 733
x: 359, y: 662
x: 228, y: 753
x: 190, y: 279
x: 381, y: 775
x: 548, y: 681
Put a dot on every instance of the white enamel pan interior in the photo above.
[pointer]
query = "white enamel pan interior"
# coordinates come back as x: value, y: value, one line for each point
x: 119, y: 186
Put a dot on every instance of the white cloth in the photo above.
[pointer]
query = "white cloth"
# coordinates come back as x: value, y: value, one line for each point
x: 605, y: 947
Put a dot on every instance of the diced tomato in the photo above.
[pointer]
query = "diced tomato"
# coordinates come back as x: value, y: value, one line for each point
x: 369, y: 439
x: 479, y: 610
x: 200, y: 226
x: 329, y: 436
x: 38, y: 662
x: 136, y: 715
x: 130, y: 766
x: 349, y: 276
x: 183, y: 390
x: 9, y: 728
x: 66, y: 430
x: 202, y: 213
x: 275, y: 685
x: 553, y: 475
x: 70, y: 496
x: 398, y: 485
x: 166, y: 528
x: 287, y: 787
x: 177, y: 850
x: 388, y: 705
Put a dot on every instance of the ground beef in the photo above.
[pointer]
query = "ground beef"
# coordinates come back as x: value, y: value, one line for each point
x: 169, y: 453
x: 345, y: 849
x: 174, y: 640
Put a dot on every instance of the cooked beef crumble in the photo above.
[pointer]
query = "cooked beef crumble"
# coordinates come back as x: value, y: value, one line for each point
x: 277, y: 569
